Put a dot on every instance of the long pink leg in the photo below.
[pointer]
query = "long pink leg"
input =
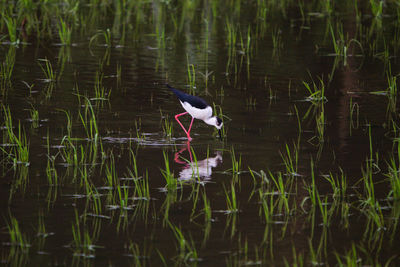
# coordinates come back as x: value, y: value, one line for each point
x: 190, y: 127
x: 176, y: 118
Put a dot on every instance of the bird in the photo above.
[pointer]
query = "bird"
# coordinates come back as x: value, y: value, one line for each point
x: 198, y: 109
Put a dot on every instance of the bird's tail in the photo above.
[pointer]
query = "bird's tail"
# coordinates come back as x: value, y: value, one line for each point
x: 176, y: 92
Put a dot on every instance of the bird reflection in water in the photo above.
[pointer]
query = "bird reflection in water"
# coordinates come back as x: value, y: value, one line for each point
x: 201, y: 170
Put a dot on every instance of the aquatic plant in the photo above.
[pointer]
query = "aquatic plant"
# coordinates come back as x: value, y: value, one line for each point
x: 11, y: 24
x: 64, y: 33
x: 231, y: 200
x: 83, y: 241
x: 47, y: 70
x: 167, y: 125
x: 7, y: 68
x: 316, y: 93
x: 191, y: 75
x: 17, y: 238
x: 172, y: 183
x: 18, y: 152
x: 105, y: 34
x: 187, y: 250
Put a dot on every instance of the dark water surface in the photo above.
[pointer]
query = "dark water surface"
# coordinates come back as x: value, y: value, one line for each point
x: 90, y: 211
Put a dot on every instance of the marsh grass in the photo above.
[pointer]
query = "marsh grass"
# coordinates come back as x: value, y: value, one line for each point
x: 100, y: 91
x: 267, y: 206
x: 18, y: 151
x: 51, y: 171
x: 232, y: 205
x: 89, y: 122
x: 394, y: 174
x: 142, y: 188
x: 343, y: 46
x: 47, y: 69
x: 64, y: 33
x: 106, y: 34
x: 17, y: 238
x: 171, y: 182
x: 139, y: 255
x: 34, y: 116
x: 236, y: 163
x: 338, y: 184
x: 277, y: 43
x: 283, y: 190
x: 83, y: 242
x: 290, y: 159
x: 191, y: 75
x: 11, y: 24
x: 7, y: 68
x: 316, y: 92
x: 186, y: 248
x: 111, y: 173
x: 167, y: 125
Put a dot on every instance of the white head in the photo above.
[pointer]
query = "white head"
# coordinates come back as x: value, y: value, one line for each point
x: 217, y: 122
x: 214, y: 121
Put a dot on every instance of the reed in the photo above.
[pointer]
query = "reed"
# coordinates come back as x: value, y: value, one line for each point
x: 191, y: 75
x: 17, y: 238
x: 171, y: 182
x: 231, y: 200
x: 167, y: 126
x: 18, y: 152
x: 100, y: 91
x: 105, y: 34
x: 7, y: 68
x: 290, y: 159
x: 186, y: 248
x: 316, y: 92
x: 64, y: 33
x: 83, y: 242
x: 47, y: 70
x: 142, y: 188
x: 11, y: 24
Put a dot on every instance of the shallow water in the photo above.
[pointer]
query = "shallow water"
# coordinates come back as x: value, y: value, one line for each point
x: 89, y: 211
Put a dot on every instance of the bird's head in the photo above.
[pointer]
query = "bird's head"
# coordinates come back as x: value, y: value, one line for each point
x: 215, y: 121
x: 218, y: 123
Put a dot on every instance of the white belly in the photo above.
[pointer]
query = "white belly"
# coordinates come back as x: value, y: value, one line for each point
x: 201, y: 114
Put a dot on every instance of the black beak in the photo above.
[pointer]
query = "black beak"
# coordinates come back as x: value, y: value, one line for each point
x: 220, y: 134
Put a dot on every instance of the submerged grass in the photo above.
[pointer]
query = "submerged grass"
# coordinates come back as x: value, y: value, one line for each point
x: 18, y: 148
x: 17, y: 238
x: 47, y: 69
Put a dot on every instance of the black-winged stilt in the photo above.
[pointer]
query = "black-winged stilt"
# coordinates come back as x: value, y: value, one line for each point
x: 198, y: 109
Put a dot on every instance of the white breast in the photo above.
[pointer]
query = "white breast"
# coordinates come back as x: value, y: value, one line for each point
x: 201, y: 114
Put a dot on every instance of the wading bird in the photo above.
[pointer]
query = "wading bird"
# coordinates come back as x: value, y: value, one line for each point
x: 198, y: 109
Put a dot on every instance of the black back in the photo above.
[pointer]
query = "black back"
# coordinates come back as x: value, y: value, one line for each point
x: 194, y: 101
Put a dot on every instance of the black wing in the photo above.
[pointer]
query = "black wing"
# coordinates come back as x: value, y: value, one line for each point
x: 195, y: 101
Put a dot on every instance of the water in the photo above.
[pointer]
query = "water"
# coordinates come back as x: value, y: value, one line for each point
x: 89, y: 210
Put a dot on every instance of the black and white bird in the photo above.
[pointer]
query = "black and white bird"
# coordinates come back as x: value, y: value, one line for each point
x: 198, y: 109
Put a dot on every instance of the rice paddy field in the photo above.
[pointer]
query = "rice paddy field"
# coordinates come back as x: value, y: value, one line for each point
x: 95, y: 171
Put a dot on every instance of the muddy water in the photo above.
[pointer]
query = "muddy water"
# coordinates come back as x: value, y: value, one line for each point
x: 263, y: 100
